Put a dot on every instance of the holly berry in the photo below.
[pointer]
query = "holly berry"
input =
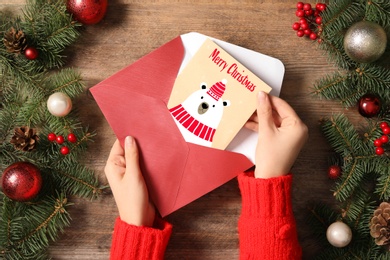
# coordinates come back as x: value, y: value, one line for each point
x: 379, y: 150
x: 318, y: 20
x: 384, y: 139
x: 64, y: 150
x: 72, y: 138
x: 300, y: 5
x: 31, y: 53
x: 300, y: 13
x: 51, y: 137
x: 378, y: 142
x: 21, y: 181
x: 384, y: 125
x: 60, y: 139
x: 300, y: 33
x: 334, y: 172
x: 307, y: 7
x: 386, y: 130
x: 296, y: 26
x: 313, y: 36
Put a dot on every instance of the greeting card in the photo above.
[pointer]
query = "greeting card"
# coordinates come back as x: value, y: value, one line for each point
x: 213, y: 96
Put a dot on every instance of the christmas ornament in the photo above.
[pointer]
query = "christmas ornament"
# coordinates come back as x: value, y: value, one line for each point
x: 15, y: 41
x: 31, y: 53
x: 21, y: 181
x: 384, y: 139
x: 87, y: 11
x: 51, y: 137
x: 334, y: 172
x: 60, y: 139
x: 59, y: 104
x: 380, y: 225
x: 24, y: 138
x: 339, y: 234
x: 369, y: 105
x: 365, y: 42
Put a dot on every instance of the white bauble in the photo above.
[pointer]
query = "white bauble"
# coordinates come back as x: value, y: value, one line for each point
x: 339, y: 234
x: 59, y: 104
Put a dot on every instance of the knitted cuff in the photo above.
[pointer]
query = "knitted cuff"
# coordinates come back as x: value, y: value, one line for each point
x: 133, y: 242
x: 254, y: 191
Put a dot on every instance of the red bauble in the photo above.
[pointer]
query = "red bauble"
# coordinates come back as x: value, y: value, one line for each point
x: 60, y: 139
x: 21, y: 181
x: 51, y: 137
x: 31, y: 53
x: 334, y: 172
x: 379, y: 150
x: 87, y: 11
x: 369, y: 105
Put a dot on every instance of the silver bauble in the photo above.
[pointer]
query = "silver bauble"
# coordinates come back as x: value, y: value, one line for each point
x: 365, y: 42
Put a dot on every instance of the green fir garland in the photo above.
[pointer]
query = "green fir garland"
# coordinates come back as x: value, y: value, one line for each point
x: 26, y: 229
x: 365, y: 179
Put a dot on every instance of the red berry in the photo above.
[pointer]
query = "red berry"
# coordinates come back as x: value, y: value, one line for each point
x: 305, y: 26
x: 316, y: 13
x: 300, y: 5
x: 64, y: 150
x: 313, y: 36
x: 334, y: 172
x: 307, y: 7
x: 386, y: 130
x: 51, y: 137
x: 296, y: 26
x: 378, y: 142
x: 379, y: 150
x: 300, y: 33
x: 321, y: 7
x: 31, y: 53
x: 60, y: 139
x: 308, y: 12
x: 72, y: 138
x: 318, y: 20
x: 318, y: 6
x: 300, y: 13
x: 307, y: 32
x: 384, y: 139
x: 302, y: 20
x: 384, y: 125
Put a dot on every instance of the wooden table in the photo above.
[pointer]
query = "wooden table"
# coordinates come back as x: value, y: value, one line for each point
x: 206, y: 228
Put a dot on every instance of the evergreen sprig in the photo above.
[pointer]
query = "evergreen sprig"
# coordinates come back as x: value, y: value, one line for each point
x: 26, y: 229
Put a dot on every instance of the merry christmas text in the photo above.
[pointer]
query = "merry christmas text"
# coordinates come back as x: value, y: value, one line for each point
x: 233, y: 70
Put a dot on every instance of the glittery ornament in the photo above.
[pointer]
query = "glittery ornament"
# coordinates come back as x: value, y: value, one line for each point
x: 21, y: 181
x: 339, y: 234
x: 365, y: 42
x: 59, y: 104
x: 87, y: 11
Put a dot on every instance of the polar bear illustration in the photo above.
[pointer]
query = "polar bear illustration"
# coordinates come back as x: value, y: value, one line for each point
x: 199, y: 115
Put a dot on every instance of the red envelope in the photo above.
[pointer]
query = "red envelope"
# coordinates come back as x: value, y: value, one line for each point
x: 134, y: 102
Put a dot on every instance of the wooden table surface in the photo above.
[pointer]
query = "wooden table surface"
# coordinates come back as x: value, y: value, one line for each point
x: 206, y: 228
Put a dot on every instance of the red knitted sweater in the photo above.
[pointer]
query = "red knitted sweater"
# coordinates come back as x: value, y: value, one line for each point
x: 266, y: 226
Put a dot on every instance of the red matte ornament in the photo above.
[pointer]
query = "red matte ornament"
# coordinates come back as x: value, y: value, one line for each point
x: 87, y: 11
x: 334, y: 172
x: 21, y: 181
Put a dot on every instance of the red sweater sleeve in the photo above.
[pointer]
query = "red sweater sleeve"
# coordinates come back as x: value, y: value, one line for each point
x: 140, y: 243
x: 267, y: 228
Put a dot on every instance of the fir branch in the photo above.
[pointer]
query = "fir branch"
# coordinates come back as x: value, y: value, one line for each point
x: 378, y: 11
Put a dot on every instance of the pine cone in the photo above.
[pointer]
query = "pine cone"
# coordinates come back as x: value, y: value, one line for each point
x: 380, y: 225
x: 24, y: 139
x: 15, y: 41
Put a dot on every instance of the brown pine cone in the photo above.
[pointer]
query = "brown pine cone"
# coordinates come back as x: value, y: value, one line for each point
x: 24, y: 138
x: 15, y: 41
x: 380, y: 225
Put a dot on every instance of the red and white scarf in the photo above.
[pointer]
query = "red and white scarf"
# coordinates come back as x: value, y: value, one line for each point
x: 191, y: 124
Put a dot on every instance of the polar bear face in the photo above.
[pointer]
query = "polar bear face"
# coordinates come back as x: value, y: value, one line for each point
x: 205, y: 108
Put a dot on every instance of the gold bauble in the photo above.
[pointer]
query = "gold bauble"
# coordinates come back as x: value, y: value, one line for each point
x: 365, y: 42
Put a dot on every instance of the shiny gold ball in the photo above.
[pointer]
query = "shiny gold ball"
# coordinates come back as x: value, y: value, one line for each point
x: 365, y: 42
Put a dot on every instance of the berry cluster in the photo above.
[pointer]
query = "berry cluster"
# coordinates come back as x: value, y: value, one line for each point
x: 384, y: 139
x: 309, y: 20
x: 59, y: 139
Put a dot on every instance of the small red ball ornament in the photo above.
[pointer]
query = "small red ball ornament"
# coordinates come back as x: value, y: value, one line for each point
x: 72, y: 138
x: 369, y: 105
x: 60, y: 139
x: 21, y: 181
x: 334, y: 172
x: 31, y: 53
x: 51, y: 137
x: 379, y: 150
x: 87, y: 11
